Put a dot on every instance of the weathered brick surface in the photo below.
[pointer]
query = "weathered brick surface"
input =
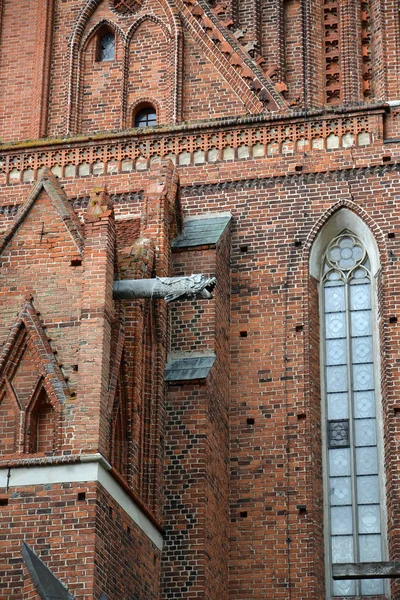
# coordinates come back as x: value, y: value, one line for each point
x: 274, y: 111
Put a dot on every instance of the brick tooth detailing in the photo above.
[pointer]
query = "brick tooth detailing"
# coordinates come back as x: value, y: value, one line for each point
x: 333, y: 76
x: 366, y: 50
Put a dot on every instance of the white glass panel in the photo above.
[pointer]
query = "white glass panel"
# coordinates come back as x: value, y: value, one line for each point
x: 336, y: 379
x: 335, y: 299
x: 361, y: 323
x: 336, y: 352
x: 335, y: 326
x: 364, y: 405
x: 361, y: 350
x: 344, y: 588
x: 341, y: 521
x: 366, y: 461
x: 365, y: 432
x: 340, y: 490
x: 368, y: 489
x: 369, y: 519
x: 370, y: 548
x: 363, y: 377
x: 339, y: 462
x: 338, y: 406
x: 371, y: 587
x: 342, y: 549
x: 360, y: 297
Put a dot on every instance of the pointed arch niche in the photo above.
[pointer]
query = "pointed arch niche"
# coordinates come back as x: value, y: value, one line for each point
x: 148, y: 45
x: 345, y: 277
x: 101, y: 75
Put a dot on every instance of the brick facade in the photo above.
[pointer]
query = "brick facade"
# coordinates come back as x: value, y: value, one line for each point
x: 276, y: 115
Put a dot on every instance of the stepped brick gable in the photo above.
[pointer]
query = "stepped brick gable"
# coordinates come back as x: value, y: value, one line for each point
x: 163, y: 436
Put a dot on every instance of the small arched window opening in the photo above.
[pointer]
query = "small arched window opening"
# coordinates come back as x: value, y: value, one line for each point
x: 146, y: 116
x: 105, y: 45
x: 41, y: 434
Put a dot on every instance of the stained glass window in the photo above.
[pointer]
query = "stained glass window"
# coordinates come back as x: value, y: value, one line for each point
x: 351, y: 432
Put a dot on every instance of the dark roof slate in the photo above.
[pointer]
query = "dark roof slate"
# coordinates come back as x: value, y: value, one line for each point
x: 47, y: 584
x: 202, y: 230
x: 187, y: 368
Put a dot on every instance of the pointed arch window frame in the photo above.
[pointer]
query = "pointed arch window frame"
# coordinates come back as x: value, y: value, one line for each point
x: 344, y: 220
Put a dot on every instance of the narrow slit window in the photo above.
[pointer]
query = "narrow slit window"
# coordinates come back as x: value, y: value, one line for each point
x: 353, y: 470
x: 106, y: 47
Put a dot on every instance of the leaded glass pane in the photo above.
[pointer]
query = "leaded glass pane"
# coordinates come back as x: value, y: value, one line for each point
x: 371, y: 587
x: 335, y: 299
x: 336, y: 353
x: 363, y: 377
x: 336, y: 379
x: 344, y: 588
x: 341, y: 520
x: 361, y: 323
x: 338, y: 406
x: 365, y: 430
x: 367, y: 489
x: 366, y: 461
x: 342, y: 549
x: 369, y: 518
x: 362, y: 350
x: 364, y: 405
x: 335, y: 325
x: 370, y: 548
x: 340, y: 491
x: 360, y: 297
x: 339, y: 462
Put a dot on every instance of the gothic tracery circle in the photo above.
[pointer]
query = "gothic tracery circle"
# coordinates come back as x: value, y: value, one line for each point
x: 126, y: 7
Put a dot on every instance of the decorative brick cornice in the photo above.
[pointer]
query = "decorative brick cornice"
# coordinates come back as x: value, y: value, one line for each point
x: 191, y: 145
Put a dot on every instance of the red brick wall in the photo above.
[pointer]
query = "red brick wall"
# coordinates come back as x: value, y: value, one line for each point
x: 89, y: 545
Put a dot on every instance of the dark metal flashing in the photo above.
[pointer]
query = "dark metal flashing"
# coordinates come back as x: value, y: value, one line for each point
x: 189, y: 367
x: 202, y: 230
x: 48, y: 585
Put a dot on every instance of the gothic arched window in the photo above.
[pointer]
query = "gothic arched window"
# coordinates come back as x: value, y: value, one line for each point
x: 106, y: 46
x: 353, y: 465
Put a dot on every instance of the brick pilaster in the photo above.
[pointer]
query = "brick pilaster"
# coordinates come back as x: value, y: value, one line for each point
x: 92, y: 419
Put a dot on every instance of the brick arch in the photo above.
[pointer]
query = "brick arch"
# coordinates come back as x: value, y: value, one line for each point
x: 75, y: 44
x: 104, y: 22
x: 375, y: 229
x: 143, y: 100
x: 42, y: 398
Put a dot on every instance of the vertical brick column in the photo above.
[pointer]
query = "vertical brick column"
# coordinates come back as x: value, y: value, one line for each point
x: 92, y: 419
x: 44, y: 36
x: 350, y: 27
x: 313, y: 37
x: 249, y: 16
